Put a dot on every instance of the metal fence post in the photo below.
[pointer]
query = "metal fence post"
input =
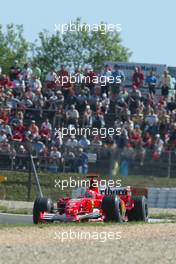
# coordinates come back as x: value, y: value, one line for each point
x: 36, y: 176
x: 169, y: 165
x: 29, y: 182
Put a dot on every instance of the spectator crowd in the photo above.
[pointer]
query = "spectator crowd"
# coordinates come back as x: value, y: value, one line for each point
x: 33, y: 109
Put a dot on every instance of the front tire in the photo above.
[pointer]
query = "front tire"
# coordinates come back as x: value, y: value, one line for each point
x: 41, y: 204
x: 112, y: 209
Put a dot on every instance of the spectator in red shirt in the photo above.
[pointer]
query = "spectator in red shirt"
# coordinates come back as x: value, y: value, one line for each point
x: 4, y: 116
x: 19, y: 131
x: 138, y: 77
x: 89, y: 75
x: 46, y: 130
x: 64, y: 81
x: 136, y: 138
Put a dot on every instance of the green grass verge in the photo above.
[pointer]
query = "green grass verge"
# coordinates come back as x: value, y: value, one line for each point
x: 24, y: 211
x: 16, y: 186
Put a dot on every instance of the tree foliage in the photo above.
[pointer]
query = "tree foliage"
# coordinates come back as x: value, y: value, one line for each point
x: 13, y: 46
x: 73, y: 48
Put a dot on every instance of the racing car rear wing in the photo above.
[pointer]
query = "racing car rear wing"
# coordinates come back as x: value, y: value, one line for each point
x: 124, y: 190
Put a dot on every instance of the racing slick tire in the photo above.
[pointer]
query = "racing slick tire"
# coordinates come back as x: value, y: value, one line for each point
x: 140, y: 210
x: 41, y: 204
x: 112, y: 209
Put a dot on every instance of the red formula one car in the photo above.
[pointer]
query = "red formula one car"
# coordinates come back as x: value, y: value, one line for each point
x: 93, y: 204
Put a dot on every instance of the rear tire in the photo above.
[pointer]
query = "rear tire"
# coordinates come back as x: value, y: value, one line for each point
x: 112, y: 209
x: 41, y: 204
x: 140, y: 210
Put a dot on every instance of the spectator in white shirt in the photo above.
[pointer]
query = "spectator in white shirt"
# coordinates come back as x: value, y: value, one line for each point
x: 72, y: 142
x: 151, y: 122
x: 158, y: 147
x: 72, y: 116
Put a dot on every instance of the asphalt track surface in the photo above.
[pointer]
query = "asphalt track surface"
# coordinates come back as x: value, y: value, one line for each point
x: 15, y: 219
x: 27, y: 219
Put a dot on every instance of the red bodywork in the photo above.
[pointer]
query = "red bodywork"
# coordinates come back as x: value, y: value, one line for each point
x: 88, y: 205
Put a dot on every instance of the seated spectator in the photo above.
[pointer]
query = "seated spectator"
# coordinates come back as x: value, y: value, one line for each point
x: 19, y: 130
x: 54, y: 160
x: 5, y: 146
x: 69, y: 160
x: 97, y: 89
x: 118, y: 79
x: 34, y: 129
x: 136, y: 138
x: 135, y: 93
x: 72, y: 116
x: 163, y: 122
x: 98, y: 121
x: 3, y: 135
x: 59, y: 115
x: 21, y: 161
x: 16, y: 118
x: 151, y: 122
x: 64, y: 82
x: 93, y: 100
x: 79, y: 77
x: 57, y: 138
x: 81, y: 101
x: 147, y: 140
x: 125, y: 114
x: 128, y: 125
x: 71, y: 142
x: 96, y: 142
x: 172, y: 104
x: 87, y: 117
x: 106, y: 74
x: 46, y: 130
x: 84, y: 142
x: 15, y: 71
x: 51, y: 80
x: 138, y: 117
x: 109, y: 143
x: 6, y: 128
x: 60, y: 98
x: 35, y: 84
x: 5, y: 81
x: 82, y: 162
x: 38, y: 147
x: 38, y: 100
x: 71, y: 99
x: 27, y: 72
x: 29, y: 94
x: 123, y: 95
x: 89, y: 76
x: 4, y: 116
x: 105, y: 103
x: 158, y: 147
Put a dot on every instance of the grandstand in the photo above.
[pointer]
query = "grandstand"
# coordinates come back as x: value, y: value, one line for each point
x: 33, y: 110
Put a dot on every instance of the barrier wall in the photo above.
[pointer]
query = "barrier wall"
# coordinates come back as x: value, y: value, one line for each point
x: 162, y: 197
